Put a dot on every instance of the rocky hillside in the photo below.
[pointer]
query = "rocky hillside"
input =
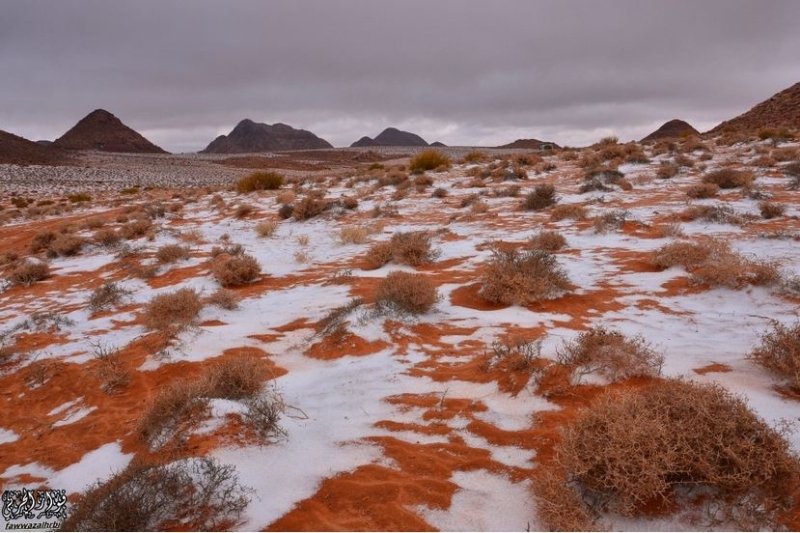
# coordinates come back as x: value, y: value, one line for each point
x: 16, y: 150
x: 782, y: 110
x: 529, y: 144
x: 673, y: 129
x: 392, y: 137
x: 249, y: 136
x: 101, y: 130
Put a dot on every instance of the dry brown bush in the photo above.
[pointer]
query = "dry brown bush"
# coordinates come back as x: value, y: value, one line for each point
x: 610, y: 354
x: 259, y: 181
x: 771, y: 209
x: 674, y: 441
x: 106, y: 296
x: 309, y: 207
x: 197, y: 493
x: 235, y: 378
x: 720, y: 213
x: 235, y: 270
x: 779, y: 352
x: 667, y: 170
x: 729, y: 178
x: 266, y: 228
x: 406, y: 293
x: 41, y: 241
x: 28, y: 272
x: 702, y: 190
x: 65, y: 245
x: 243, y: 210
x: 569, y: 211
x: 522, y: 278
x: 713, y: 262
x: 429, y: 160
x: 353, y: 235
x: 135, y: 229
x: 439, y: 192
x: 609, y: 221
x: 178, y: 308
x: 542, y: 196
x: 171, y: 253
x: 169, y: 408
x: 549, y: 241
x: 224, y: 299
x: 106, y: 237
x: 410, y: 248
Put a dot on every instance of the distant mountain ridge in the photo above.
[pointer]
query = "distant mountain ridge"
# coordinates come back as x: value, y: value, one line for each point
x: 101, y: 130
x: 16, y: 150
x: 674, y: 128
x: 391, y: 137
x: 529, y: 144
x: 250, y: 136
x: 781, y: 110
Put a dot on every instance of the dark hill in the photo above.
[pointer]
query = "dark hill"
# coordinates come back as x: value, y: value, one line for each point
x: 781, y: 110
x: 529, y: 144
x: 675, y: 128
x: 392, y: 137
x: 249, y: 136
x: 16, y: 150
x: 101, y: 130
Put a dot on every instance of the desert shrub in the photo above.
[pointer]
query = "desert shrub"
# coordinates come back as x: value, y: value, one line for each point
x: 243, y: 210
x: 266, y: 228
x: 673, y: 442
x: 224, y: 299
x: 178, y: 308
x: 792, y: 171
x: 228, y: 248
x: 263, y: 415
x: 235, y: 378
x: 348, y: 202
x: 779, y: 352
x: 549, y: 241
x: 512, y: 191
x: 259, y: 181
x: 112, y: 372
x: 422, y: 181
x: 593, y: 185
x: 285, y: 197
x: 28, y: 272
x: 475, y: 156
x: 771, y: 209
x: 106, y: 296
x: 610, y: 354
x: 353, y: 235
x: 667, y: 170
x: 41, y: 241
x: 713, y: 262
x: 106, y: 237
x: 542, y: 196
x: 568, y: 211
x: 720, y: 213
x: 729, y: 178
x: 135, y: 228
x: 285, y: 211
x: 702, y: 190
x: 410, y: 248
x: 439, y: 192
x: 522, y: 278
x: 79, y: 197
x: 609, y: 221
x: 234, y: 270
x: 170, y: 406
x: 407, y: 293
x: 309, y: 207
x: 65, y: 245
x: 428, y: 160
x: 170, y: 253
x: 198, y: 493
x: 775, y: 135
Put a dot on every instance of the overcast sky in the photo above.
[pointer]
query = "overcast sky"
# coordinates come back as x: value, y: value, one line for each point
x: 460, y: 72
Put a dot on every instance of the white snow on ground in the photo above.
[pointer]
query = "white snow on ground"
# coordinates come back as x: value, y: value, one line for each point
x: 6, y: 436
x: 484, y: 502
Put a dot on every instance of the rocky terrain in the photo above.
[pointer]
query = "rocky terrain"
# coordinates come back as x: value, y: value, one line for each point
x: 249, y: 136
x: 15, y: 150
x: 101, y: 130
x: 781, y: 110
x: 529, y: 144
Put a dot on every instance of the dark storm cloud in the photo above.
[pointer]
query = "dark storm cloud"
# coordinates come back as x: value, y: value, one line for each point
x: 463, y: 72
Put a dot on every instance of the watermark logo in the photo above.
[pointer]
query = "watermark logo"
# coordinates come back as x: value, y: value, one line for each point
x: 34, y: 509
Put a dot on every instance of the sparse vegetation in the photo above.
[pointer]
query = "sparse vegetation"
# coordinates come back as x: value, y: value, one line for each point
x: 610, y: 354
x: 406, y: 293
x: 259, y: 181
x: 702, y: 190
x: 542, y: 196
x: 779, y: 352
x: 771, y: 209
x: 266, y: 228
x: 569, y: 211
x: 666, y: 443
x: 172, y: 309
x: 428, y: 160
x: 411, y: 248
x: 171, y: 253
x: 107, y: 296
x: 28, y: 272
x: 522, y: 278
x: 224, y: 299
x: 549, y: 241
x: 235, y: 270
x: 729, y: 178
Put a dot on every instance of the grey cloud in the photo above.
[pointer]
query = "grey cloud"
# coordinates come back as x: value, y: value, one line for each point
x: 463, y: 72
